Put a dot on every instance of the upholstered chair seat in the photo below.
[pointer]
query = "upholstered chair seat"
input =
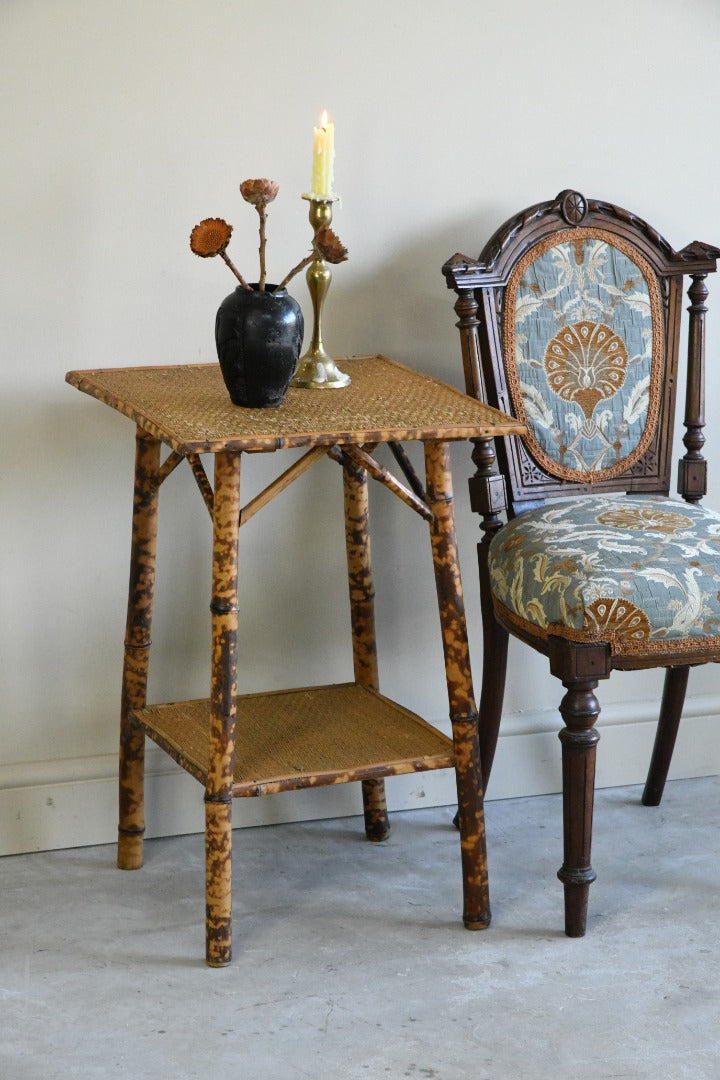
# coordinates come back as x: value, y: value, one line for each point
x: 641, y: 572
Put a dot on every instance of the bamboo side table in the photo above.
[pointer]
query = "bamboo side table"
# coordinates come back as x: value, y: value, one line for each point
x: 249, y: 745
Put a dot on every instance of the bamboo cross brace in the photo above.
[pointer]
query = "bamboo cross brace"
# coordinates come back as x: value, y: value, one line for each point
x: 170, y: 463
x: 378, y: 472
x: 398, y: 452
x: 202, y: 481
x: 283, y: 481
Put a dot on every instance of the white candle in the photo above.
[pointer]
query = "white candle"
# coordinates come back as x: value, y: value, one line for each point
x: 323, y: 159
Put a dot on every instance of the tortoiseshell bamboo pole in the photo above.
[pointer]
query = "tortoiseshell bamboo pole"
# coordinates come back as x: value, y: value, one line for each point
x: 223, y: 708
x: 463, y: 713
x: 362, y: 614
x: 131, y: 821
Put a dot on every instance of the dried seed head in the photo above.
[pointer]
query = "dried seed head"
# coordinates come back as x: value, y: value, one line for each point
x: 328, y: 244
x: 210, y: 237
x: 259, y: 192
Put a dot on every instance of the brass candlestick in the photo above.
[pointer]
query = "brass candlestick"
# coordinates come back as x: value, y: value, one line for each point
x: 316, y: 369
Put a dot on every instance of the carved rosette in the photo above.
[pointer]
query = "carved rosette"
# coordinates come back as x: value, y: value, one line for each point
x: 573, y: 207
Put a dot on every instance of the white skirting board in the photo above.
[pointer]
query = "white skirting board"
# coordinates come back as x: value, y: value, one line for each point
x: 69, y: 804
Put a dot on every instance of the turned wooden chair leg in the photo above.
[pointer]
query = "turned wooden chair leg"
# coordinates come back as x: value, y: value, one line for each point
x: 463, y: 715
x: 495, y: 654
x: 362, y: 615
x: 579, y: 738
x: 673, y: 699
x: 131, y: 820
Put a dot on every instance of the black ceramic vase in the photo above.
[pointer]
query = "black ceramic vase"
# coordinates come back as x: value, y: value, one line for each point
x: 258, y: 337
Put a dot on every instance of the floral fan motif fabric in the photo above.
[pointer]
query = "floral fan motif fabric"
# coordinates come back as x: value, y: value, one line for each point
x: 638, y: 571
x: 584, y: 347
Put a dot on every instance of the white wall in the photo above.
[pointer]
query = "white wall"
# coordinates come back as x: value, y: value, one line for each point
x: 123, y: 122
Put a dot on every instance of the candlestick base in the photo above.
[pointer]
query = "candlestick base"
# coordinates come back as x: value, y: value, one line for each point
x: 316, y: 369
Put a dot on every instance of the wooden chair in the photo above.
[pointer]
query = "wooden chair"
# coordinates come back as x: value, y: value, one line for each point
x: 569, y: 320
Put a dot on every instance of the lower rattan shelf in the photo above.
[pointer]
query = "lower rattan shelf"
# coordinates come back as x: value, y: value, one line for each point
x: 293, y: 739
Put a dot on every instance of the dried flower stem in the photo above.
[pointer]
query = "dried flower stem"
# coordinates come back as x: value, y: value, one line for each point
x: 228, y: 261
x: 263, y: 240
x: 296, y: 270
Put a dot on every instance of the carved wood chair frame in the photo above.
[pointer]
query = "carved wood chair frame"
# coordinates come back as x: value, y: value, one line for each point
x: 514, y: 481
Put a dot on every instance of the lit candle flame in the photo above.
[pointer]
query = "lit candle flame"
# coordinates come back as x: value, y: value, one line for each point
x: 324, y: 119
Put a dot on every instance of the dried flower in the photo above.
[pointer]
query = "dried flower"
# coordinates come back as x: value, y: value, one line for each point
x: 259, y: 192
x: 210, y: 237
x: 329, y: 246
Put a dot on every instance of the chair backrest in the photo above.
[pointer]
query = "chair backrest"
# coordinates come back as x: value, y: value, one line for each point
x: 569, y: 321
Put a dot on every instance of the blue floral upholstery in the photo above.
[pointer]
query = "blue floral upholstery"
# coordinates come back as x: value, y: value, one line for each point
x: 642, y: 572
x: 584, y: 349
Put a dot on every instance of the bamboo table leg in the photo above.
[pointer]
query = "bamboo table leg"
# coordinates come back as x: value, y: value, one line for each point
x: 223, y: 708
x: 463, y: 713
x: 131, y: 823
x: 362, y: 608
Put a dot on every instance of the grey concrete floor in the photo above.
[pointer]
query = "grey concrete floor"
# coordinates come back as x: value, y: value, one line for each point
x: 351, y: 960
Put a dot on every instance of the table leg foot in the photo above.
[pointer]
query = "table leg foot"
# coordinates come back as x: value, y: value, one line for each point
x: 130, y: 849
x: 377, y: 823
x: 131, y: 824
x: 480, y: 922
x: 218, y: 883
x: 471, y: 823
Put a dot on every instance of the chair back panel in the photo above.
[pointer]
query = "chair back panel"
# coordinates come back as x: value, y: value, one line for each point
x: 569, y: 321
x: 584, y: 352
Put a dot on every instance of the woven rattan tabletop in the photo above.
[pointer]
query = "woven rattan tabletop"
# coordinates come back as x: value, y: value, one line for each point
x: 188, y: 407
